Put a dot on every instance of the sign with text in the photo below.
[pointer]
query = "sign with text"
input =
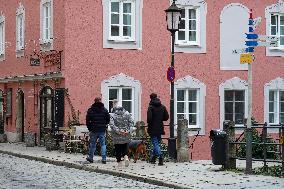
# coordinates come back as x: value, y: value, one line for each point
x: 34, y: 61
x: 246, y: 58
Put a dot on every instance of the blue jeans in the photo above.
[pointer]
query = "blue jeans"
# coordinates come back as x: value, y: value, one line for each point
x: 93, y: 142
x: 156, y: 140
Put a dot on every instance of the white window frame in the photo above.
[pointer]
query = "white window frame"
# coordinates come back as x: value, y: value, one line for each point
x: 20, y: 28
x: 275, y: 85
x: 186, y: 42
x: 232, y: 84
x: 121, y: 37
x: 189, y: 83
x: 123, y: 81
x: 274, y: 9
x: 46, y: 43
x: 278, y: 31
x: 2, y: 37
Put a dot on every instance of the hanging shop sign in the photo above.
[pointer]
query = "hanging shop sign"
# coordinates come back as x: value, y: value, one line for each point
x: 34, y: 61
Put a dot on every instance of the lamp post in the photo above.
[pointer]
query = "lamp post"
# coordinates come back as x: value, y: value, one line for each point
x: 173, y: 14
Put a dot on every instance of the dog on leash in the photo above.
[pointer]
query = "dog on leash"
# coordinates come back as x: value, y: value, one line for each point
x: 137, y: 148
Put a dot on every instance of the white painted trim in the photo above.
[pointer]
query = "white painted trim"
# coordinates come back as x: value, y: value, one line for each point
x: 189, y: 82
x: 232, y: 84
x: 20, y: 49
x: 122, y: 80
x: 46, y: 45
x: 2, y: 21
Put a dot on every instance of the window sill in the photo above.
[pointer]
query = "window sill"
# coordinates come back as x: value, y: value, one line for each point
x: 20, y: 53
x: 276, y: 48
x: 122, y: 40
x: 2, y: 57
x: 187, y: 45
x: 45, y: 42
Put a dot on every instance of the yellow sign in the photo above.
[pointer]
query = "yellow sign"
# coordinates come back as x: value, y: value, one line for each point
x: 282, y: 140
x: 246, y: 58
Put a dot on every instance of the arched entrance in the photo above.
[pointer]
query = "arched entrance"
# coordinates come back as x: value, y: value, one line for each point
x: 20, y: 119
x: 1, y: 113
x: 46, y: 111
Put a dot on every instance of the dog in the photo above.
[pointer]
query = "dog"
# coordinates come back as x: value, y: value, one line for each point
x: 137, y: 148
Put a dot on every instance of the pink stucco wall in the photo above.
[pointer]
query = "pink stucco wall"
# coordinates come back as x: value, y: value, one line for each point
x: 90, y: 63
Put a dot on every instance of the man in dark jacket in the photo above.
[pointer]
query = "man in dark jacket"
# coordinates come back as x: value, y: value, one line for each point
x: 96, y: 120
x: 156, y: 114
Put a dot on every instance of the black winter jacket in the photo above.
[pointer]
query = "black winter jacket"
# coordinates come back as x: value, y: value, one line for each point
x: 97, y: 118
x: 156, y: 114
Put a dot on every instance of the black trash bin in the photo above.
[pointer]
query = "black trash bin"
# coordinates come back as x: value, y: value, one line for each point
x: 218, y: 146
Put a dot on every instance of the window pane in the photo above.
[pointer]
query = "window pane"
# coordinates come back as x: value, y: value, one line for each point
x: 281, y: 20
x: 229, y: 117
x: 281, y: 30
x: 273, y: 20
x: 271, y: 106
x: 192, y: 25
x: 239, y: 118
x: 114, y: 31
x: 228, y: 107
x: 126, y: 7
x: 192, y: 119
x: 127, y: 31
x: 182, y: 13
x: 281, y: 94
x: 281, y: 120
x: 271, y: 118
x: 271, y: 95
x: 180, y: 107
x: 115, y: 7
x: 46, y: 34
x: 126, y: 94
x: 180, y: 95
x: 46, y: 23
x: 181, y: 35
x: 127, y: 105
x: 114, y: 19
x: 192, y: 13
x: 192, y: 95
x: 239, y: 96
x: 229, y: 95
x: 192, y: 107
x: 273, y: 30
x: 282, y: 40
x: 192, y: 36
x: 180, y: 116
x: 240, y: 107
x: 127, y: 19
x: 281, y: 107
x: 182, y: 24
x: 113, y: 94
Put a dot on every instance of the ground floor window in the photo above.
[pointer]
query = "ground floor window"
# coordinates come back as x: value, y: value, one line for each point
x: 276, y: 106
x: 125, y: 98
x: 235, y: 105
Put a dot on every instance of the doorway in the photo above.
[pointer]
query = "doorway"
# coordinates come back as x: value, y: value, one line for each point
x: 20, y: 119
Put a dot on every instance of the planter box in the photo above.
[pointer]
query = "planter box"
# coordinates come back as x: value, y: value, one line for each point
x: 30, y: 139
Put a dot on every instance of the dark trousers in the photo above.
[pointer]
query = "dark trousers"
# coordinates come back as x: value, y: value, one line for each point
x: 120, y: 151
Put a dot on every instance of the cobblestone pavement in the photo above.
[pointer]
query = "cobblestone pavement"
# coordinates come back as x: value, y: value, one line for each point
x: 19, y: 173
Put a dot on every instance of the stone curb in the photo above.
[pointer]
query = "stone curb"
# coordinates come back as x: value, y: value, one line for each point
x: 97, y: 170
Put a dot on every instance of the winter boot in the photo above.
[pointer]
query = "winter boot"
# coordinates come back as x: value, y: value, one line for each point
x: 161, y: 161
x: 153, y: 160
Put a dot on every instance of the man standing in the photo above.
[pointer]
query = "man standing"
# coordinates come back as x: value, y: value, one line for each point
x: 96, y: 120
x: 156, y: 114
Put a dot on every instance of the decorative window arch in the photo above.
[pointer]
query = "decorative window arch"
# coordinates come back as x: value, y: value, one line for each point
x: 233, y: 84
x: 274, y: 101
x: 190, y: 102
x: 20, y: 29
x: 126, y: 90
x: 192, y: 36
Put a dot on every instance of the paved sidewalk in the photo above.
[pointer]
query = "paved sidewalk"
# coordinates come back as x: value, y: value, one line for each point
x: 195, y: 174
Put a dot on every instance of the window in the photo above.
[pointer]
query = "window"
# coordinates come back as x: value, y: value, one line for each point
x: 233, y: 101
x: 235, y: 106
x: 277, y: 28
x: 187, y: 106
x: 46, y: 25
x: 2, y: 36
x: 122, y: 20
x: 9, y: 103
x: 189, y: 27
x: 126, y: 90
x: 20, y: 28
x: 276, y: 106
x: 190, y: 102
x: 122, y: 24
x: 124, y: 97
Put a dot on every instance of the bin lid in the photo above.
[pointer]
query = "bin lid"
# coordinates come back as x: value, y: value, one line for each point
x: 217, y: 133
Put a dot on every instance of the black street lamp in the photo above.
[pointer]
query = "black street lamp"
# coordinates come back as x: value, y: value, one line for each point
x: 173, y: 14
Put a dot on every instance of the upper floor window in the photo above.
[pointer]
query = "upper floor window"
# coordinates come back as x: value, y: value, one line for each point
x: 46, y: 24
x: 2, y: 36
x: 122, y: 24
x: 277, y: 28
x: 189, y: 27
x: 20, y: 28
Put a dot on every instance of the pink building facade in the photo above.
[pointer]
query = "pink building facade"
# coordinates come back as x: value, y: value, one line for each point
x: 121, y: 50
